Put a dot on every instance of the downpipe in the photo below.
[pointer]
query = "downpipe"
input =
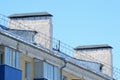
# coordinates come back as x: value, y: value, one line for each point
x: 61, y: 69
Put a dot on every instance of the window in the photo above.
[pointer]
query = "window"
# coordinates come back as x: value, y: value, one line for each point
x: 1, y: 54
x: 12, y: 57
x: 27, y: 70
x: 51, y: 72
x: 56, y: 73
x: 1, y: 58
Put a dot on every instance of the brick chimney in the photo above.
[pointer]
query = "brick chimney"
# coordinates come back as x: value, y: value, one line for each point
x: 40, y: 22
x: 96, y: 53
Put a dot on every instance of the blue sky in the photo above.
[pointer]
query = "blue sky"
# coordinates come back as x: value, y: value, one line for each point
x: 77, y: 22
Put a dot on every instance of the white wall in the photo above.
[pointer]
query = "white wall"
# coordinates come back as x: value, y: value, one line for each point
x: 103, y: 56
x: 43, y: 25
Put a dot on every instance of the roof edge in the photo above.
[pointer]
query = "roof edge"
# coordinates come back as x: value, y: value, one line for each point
x: 32, y: 14
x: 84, y: 47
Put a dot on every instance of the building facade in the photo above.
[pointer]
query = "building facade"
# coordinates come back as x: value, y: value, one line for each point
x: 25, y: 55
